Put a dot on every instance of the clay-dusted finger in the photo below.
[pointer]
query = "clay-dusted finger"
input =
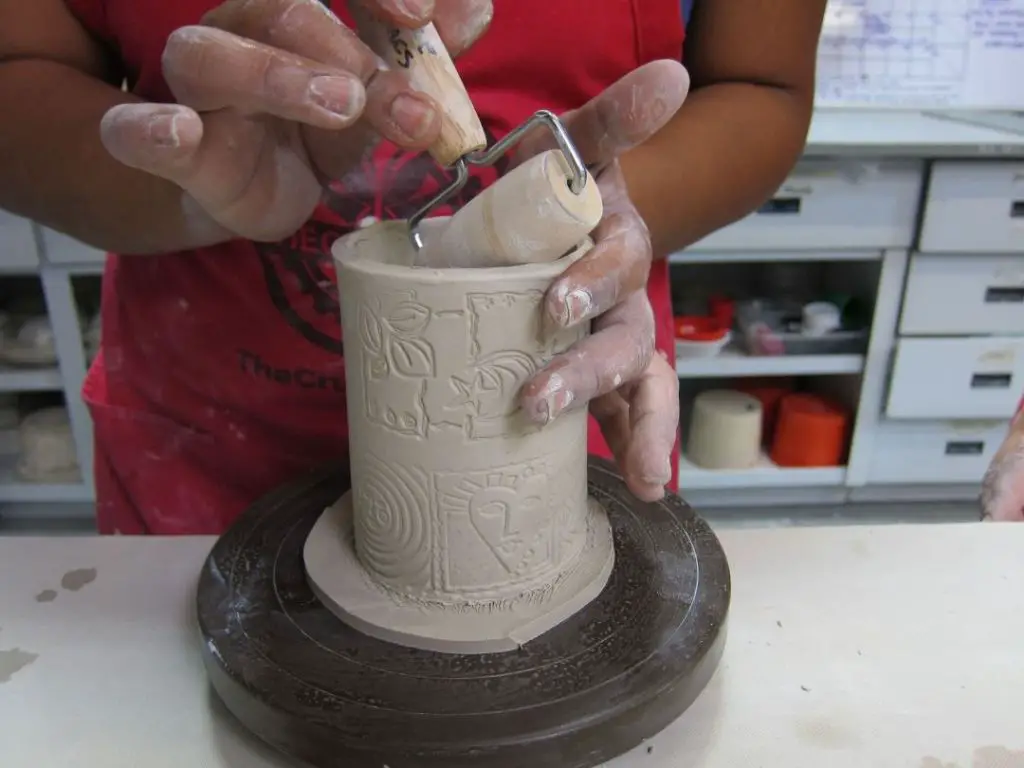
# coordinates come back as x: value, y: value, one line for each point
x: 163, y: 140
x: 639, y: 422
x: 617, y: 266
x: 625, y: 114
x: 462, y: 22
x: 617, y: 352
x: 411, y: 120
x: 654, y: 424
x: 215, y: 160
x: 306, y: 28
x: 209, y: 69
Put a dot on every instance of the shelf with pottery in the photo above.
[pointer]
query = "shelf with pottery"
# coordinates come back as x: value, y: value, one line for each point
x: 766, y: 432
x: 38, y: 451
x: 815, y: 281
x: 785, y: 318
x: 38, y: 456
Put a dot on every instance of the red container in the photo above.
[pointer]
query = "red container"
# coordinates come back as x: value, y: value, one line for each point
x: 810, y: 432
x: 770, y: 397
x: 723, y: 309
x: 696, y: 328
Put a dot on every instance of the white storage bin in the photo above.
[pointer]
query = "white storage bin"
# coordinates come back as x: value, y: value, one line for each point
x: 915, y: 452
x: 974, y: 206
x: 832, y: 204
x: 17, y: 243
x: 974, y: 378
x: 963, y: 294
x: 61, y: 249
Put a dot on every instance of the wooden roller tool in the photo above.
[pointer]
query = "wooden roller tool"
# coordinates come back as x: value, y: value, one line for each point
x: 538, y: 212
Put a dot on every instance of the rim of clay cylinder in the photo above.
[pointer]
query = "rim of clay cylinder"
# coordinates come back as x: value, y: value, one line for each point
x: 346, y: 255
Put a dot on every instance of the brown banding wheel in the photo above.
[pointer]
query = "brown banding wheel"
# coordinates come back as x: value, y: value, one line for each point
x: 591, y: 689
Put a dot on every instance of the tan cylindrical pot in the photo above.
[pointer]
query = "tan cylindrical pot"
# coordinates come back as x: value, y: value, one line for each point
x: 457, y: 501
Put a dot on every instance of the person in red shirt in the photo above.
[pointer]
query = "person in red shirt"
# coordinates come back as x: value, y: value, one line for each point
x: 251, y: 134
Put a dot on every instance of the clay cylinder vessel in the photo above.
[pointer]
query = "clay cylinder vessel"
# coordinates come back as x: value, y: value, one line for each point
x: 457, y: 500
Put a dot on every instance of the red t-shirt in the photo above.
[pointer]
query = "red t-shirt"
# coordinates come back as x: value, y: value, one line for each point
x: 221, y: 372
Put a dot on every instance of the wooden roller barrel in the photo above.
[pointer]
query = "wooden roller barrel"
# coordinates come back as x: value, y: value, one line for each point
x: 526, y: 217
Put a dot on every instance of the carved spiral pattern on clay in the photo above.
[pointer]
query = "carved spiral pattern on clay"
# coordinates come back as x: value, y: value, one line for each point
x: 392, y: 527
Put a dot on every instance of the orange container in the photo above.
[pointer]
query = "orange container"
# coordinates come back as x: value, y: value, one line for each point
x: 810, y: 432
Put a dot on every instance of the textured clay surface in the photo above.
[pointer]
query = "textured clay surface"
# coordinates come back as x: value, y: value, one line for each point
x: 471, y: 525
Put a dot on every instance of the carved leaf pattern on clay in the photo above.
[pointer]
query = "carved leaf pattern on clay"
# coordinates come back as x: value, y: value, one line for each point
x: 372, y: 332
x: 412, y: 357
x: 397, y: 362
x: 409, y: 318
x: 392, y: 529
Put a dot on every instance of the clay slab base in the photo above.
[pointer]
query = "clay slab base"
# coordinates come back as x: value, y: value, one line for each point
x: 594, y: 687
x: 342, y: 584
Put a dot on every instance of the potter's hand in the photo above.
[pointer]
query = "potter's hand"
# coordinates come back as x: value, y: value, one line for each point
x: 1002, y: 489
x: 633, y: 393
x: 274, y: 97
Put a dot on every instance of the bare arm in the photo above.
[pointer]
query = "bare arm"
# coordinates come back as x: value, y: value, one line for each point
x: 743, y: 126
x: 56, y: 83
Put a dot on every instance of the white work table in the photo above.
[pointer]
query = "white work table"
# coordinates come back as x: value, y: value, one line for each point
x: 859, y: 647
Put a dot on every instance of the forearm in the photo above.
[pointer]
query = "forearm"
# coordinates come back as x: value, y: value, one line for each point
x: 57, y: 171
x: 726, y: 151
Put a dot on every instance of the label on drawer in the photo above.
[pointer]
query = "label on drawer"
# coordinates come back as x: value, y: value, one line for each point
x: 798, y: 190
x: 1002, y: 356
x: 972, y: 427
x: 1008, y: 274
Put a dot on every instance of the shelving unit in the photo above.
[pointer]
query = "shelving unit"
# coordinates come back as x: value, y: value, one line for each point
x: 25, y: 251
x: 30, y: 380
x: 733, y: 363
x: 764, y: 475
x: 854, y: 141
x: 853, y: 145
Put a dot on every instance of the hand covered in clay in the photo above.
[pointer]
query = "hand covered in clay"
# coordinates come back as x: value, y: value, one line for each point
x: 274, y: 97
x: 632, y: 392
x: 1002, y: 489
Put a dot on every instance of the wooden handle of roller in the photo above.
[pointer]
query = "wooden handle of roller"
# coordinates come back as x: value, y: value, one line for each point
x: 528, y: 216
x: 422, y: 54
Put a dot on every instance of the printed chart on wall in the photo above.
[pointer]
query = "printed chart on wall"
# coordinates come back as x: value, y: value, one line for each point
x: 923, y: 54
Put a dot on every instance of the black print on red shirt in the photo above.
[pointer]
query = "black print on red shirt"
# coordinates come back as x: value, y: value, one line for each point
x: 299, y: 273
x: 253, y: 364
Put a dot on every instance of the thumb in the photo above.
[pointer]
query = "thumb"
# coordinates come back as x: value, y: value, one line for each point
x: 222, y: 163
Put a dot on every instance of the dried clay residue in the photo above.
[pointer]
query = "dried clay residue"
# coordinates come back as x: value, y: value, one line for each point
x: 824, y: 733
x: 13, y: 661
x: 75, y: 580
x: 983, y: 757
